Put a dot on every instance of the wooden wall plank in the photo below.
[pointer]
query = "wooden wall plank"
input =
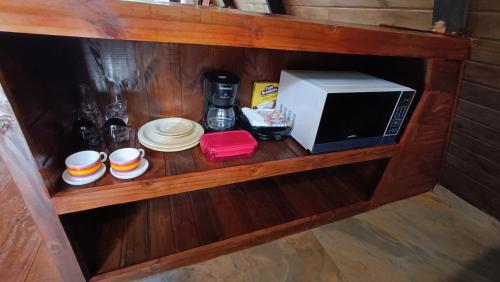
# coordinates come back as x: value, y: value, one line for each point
x: 485, y: 74
x: 480, y: 131
x: 479, y: 113
x: 478, y: 146
x: 476, y: 166
x: 162, y: 78
x: 485, y: 5
x: 467, y: 188
x: 418, y: 4
x: 479, y: 94
x: 194, y: 61
x: 485, y: 51
x: 418, y: 19
x: 472, y: 168
x: 484, y: 25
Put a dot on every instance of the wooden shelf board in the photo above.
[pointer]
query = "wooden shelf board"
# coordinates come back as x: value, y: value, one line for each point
x: 167, y: 232
x: 196, y: 25
x: 173, y: 173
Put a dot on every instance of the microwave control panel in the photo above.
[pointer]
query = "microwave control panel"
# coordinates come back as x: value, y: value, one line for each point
x: 399, y: 113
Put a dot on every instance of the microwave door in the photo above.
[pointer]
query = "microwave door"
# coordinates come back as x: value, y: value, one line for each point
x: 352, y: 120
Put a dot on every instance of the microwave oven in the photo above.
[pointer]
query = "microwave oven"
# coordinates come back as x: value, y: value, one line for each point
x: 331, y: 110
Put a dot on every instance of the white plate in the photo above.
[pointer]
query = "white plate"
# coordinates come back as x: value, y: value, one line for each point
x: 143, y: 166
x: 146, y: 142
x: 174, y: 127
x: 150, y: 139
x: 169, y: 150
x: 148, y: 133
x: 68, y: 178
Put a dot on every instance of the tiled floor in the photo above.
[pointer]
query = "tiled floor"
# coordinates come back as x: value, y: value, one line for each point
x: 431, y: 237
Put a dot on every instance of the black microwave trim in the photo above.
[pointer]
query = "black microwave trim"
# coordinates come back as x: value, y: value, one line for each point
x: 384, y: 129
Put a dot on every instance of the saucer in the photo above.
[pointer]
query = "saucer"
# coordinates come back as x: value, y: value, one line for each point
x: 143, y: 166
x: 68, y: 178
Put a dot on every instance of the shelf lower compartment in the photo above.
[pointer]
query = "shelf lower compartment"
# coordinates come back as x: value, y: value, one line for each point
x: 186, y: 227
x: 185, y: 171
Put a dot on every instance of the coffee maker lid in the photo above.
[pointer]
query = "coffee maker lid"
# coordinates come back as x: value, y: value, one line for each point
x: 222, y: 77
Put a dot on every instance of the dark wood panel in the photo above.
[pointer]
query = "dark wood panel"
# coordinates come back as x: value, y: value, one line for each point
x: 480, y: 131
x: 443, y: 75
x: 485, y: 51
x: 479, y: 94
x: 485, y: 5
x: 476, y: 162
x: 184, y: 24
x: 483, y: 25
x: 478, y: 113
x: 15, y: 152
x: 196, y: 220
x: 472, y: 170
x: 135, y: 244
x: 468, y: 189
x: 482, y: 73
x: 162, y: 75
x: 161, y: 228
x: 28, y: 64
x: 450, y: 15
x: 473, y: 144
x: 183, y: 222
x: 194, y: 61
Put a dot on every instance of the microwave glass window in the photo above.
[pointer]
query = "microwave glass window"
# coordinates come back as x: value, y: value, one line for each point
x: 355, y: 115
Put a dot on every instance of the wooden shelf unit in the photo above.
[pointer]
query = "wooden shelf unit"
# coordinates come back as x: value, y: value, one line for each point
x: 161, y: 51
x: 185, y: 171
x: 185, y: 224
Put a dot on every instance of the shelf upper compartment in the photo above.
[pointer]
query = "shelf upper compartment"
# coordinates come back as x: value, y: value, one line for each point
x: 209, y: 26
x: 185, y: 171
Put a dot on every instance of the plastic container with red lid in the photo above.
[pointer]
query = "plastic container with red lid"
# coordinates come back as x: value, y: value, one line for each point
x: 227, y: 145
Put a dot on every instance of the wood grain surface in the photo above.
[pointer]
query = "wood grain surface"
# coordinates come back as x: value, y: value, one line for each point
x: 151, y: 52
x: 23, y: 256
x: 201, y: 25
x: 22, y: 166
x: 472, y: 156
x: 196, y: 223
x: 172, y: 181
x: 416, y: 169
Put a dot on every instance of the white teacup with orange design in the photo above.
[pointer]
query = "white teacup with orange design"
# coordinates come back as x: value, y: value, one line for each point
x: 85, y: 163
x: 126, y: 159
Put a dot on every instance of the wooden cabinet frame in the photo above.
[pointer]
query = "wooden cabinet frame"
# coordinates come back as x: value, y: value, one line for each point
x: 414, y: 162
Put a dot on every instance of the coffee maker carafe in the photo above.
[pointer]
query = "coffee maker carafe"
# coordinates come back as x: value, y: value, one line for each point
x: 220, y: 93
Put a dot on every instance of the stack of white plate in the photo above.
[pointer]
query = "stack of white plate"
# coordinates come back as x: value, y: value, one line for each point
x: 170, y: 134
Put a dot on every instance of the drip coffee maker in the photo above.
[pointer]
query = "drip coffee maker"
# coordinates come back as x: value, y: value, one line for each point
x: 220, y: 112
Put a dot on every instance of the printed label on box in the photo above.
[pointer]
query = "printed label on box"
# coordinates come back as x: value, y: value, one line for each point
x: 264, y: 95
